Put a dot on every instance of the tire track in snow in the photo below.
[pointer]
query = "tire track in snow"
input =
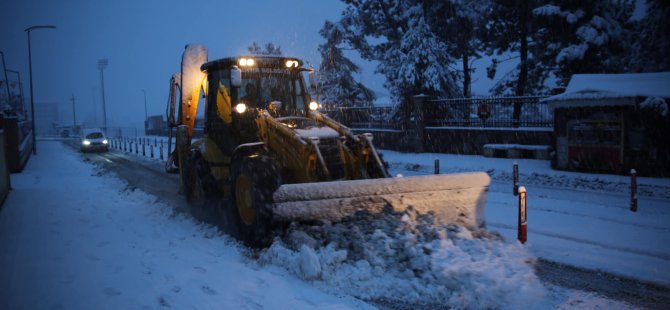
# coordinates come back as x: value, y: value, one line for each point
x: 658, y: 255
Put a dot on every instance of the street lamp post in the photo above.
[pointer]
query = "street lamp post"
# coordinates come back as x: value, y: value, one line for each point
x: 145, y: 111
x: 30, y: 70
x: 102, y: 64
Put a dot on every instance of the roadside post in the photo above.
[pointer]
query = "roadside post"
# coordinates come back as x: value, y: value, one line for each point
x: 515, y: 179
x: 633, y: 190
x: 437, y: 166
x: 522, y: 227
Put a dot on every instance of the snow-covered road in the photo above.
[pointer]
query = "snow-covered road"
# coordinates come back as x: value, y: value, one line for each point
x: 75, y: 237
x: 576, y: 219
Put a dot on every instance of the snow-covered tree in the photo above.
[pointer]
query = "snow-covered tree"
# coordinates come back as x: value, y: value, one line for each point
x: 583, y: 37
x: 460, y: 24
x: 561, y: 39
x: 652, y: 43
x: 270, y: 49
x: 336, y: 85
x: 396, y: 33
x: 508, y: 30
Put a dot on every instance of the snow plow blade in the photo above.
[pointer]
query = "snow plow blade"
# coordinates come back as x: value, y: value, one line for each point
x: 452, y: 198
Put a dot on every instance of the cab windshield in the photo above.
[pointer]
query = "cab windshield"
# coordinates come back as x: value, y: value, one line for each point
x: 262, y: 86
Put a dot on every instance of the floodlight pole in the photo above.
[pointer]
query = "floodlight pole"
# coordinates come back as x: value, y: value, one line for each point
x: 74, y: 116
x: 145, y: 111
x: 30, y: 70
x: 102, y: 64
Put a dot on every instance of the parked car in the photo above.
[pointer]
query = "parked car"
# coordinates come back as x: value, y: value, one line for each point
x: 94, y: 139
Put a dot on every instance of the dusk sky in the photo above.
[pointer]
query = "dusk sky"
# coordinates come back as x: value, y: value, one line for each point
x: 143, y: 41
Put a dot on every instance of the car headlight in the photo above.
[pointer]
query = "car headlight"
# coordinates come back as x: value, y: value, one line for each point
x: 105, y: 141
x: 313, y: 105
x: 86, y: 142
x: 240, y: 108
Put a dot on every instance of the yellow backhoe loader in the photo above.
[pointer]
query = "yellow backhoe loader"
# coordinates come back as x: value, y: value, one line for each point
x: 267, y: 156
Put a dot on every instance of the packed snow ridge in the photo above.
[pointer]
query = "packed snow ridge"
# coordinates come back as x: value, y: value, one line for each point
x: 408, y: 258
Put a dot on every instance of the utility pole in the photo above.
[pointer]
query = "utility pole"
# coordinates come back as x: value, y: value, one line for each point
x: 102, y: 64
x: 145, y: 105
x: 30, y: 70
x: 145, y: 111
x: 74, y: 116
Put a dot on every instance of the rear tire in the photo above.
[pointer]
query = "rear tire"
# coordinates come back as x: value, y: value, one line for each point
x: 198, y: 185
x: 253, y: 181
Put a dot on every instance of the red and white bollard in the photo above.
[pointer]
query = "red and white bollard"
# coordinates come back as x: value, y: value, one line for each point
x: 633, y: 190
x: 522, y: 233
x: 515, y: 179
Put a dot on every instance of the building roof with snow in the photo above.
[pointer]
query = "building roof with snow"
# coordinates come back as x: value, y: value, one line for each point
x: 588, y: 90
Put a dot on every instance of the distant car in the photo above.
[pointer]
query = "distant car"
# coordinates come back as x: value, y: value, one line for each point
x: 94, y: 140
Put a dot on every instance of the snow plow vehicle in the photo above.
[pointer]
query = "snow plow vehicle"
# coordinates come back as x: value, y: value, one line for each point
x: 268, y: 157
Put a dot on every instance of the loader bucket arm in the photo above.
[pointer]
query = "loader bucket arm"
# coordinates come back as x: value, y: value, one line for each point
x: 299, y: 155
x: 362, y: 144
x: 192, y: 81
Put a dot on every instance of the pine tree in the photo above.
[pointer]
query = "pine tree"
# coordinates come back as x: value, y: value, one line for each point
x: 652, y: 44
x: 561, y: 40
x: 508, y: 30
x: 584, y: 37
x: 460, y: 24
x: 412, y: 57
x: 337, y: 86
x: 270, y: 49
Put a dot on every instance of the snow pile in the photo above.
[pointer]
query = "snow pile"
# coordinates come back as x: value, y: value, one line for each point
x: 406, y: 258
x: 657, y: 104
x: 318, y: 132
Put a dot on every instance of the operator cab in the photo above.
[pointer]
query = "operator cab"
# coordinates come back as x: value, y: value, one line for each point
x: 239, y: 88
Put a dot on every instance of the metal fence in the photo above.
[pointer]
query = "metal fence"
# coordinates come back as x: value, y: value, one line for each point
x: 488, y: 112
x: 456, y: 112
x: 384, y: 117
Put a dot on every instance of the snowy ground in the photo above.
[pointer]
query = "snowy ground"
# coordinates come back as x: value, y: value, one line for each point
x: 574, y: 218
x: 74, y: 236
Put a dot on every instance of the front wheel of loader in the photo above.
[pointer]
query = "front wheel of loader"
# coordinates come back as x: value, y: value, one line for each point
x: 253, y: 181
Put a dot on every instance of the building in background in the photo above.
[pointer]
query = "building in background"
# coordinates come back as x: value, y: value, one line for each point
x: 613, y: 123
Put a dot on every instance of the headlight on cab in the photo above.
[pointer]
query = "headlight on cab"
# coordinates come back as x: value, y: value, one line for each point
x: 105, y: 141
x: 240, y: 108
x: 86, y: 142
x: 292, y: 64
x: 313, y: 105
x: 246, y: 62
